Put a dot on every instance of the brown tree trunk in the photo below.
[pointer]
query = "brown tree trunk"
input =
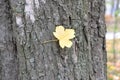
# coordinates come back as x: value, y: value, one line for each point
x: 85, y: 60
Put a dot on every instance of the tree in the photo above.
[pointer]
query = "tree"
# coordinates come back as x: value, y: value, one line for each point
x: 22, y: 31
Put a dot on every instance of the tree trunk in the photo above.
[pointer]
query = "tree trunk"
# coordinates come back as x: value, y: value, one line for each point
x: 32, y: 60
x: 8, y: 47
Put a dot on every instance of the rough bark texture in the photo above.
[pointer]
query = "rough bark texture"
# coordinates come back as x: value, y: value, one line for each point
x: 85, y: 60
x: 8, y: 48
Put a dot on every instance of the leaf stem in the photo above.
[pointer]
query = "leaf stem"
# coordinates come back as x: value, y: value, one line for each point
x: 49, y: 41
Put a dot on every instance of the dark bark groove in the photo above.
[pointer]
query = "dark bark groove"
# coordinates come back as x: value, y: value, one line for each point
x: 8, y: 46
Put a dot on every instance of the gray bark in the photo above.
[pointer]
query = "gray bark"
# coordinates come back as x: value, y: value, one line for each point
x: 8, y: 47
x: 85, y: 60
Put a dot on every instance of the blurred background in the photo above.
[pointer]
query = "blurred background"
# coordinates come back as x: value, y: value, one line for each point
x: 112, y: 18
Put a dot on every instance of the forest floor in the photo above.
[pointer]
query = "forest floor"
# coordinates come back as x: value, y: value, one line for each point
x: 113, y: 57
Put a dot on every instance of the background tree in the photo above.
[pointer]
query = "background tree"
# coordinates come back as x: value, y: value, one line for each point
x: 23, y: 57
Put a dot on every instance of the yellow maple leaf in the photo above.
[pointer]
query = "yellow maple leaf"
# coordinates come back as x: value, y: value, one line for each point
x: 64, y: 36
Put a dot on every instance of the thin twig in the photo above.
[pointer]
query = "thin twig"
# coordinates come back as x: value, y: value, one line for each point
x: 49, y: 41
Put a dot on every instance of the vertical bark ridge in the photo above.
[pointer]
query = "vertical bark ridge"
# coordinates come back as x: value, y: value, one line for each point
x: 8, y: 46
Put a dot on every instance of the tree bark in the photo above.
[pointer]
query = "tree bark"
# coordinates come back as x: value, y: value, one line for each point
x: 8, y: 47
x: 32, y: 60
